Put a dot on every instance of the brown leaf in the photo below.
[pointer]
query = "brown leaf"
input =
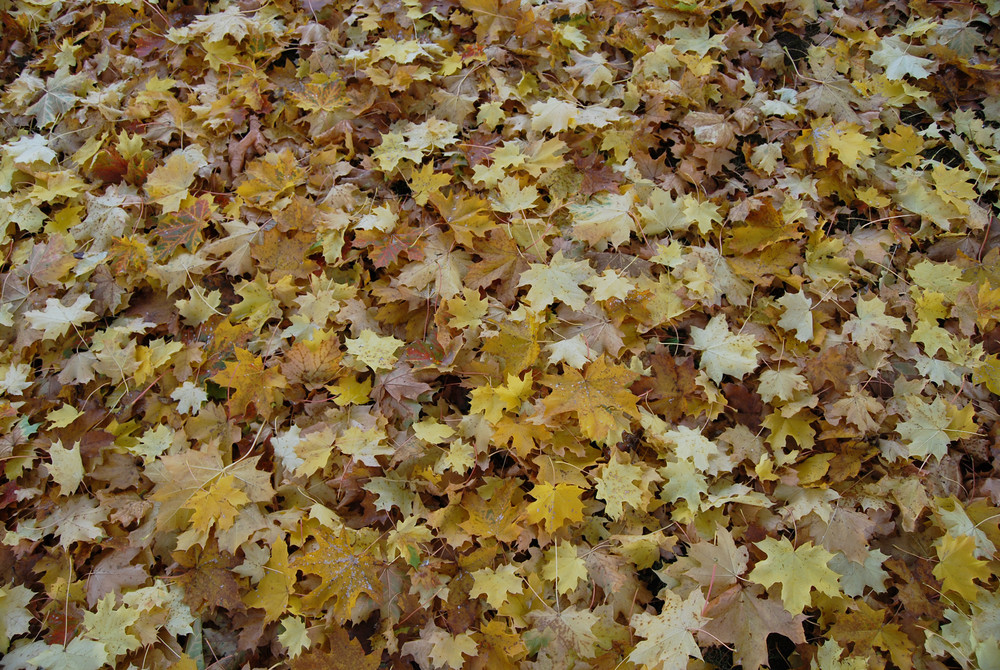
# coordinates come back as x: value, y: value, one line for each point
x: 740, y: 617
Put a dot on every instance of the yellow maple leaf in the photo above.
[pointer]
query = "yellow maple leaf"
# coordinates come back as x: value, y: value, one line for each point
x: 668, y: 641
x: 555, y: 506
x: 558, y: 280
x: 373, y: 350
x: 55, y: 320
x: 722, y: 352
x: 425, y: 182
x: 393, y: 149
x: 497, y: 585
x: 346, y: 572
x: 498, y: 516
x: 271, y: 594
x: 905, y: 144
x: 604, y: 220
x: 253, y: 383
x: 958, y: 567
x: 564, y: 566
x: 271, y: 177
x: 109, y: 626
x: 491, y: 401
x: 870, y: 329
x: 600, y: 398
x: 842, y: 138
x: 620, y: 482
x: 799, y: 571
x: 219, y: 505
x: 513, y: 197
x: 954, y: 185
x: 168, y: 184
x: 988, y: 373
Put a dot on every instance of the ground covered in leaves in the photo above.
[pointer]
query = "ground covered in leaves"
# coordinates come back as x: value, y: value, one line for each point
x: 499, y: 334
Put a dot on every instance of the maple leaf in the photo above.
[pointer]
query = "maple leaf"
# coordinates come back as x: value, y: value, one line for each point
x: 743, y: 618
x: 558, y: 280
x: 958, y: 568
x: 66, y: 468
x: 59, y: 95
x: 797, y: 316
x: 393, y: 149
x: 348, y: 654
x: 513, y: 197
x: 168, y: 184
x: 899, y: 60
x: 724, y: 353
x: 842, y: 138
x: 604, y: 220
x: 870, y: 328
x: 313, y: 363
x: 988, y: 373
x: 671, y: 389
x: 466, y: 214
x: 925, y: 431
x: 553, y: 115
x: 516, y: 345
x: 496, y: 517
x: 668, y: 640
x: 56, y: 319
x: 500, y: 260
x: 208, y: 581
x: 493, y: 401
x: 617, y: 485
x: 182, y: 228
x: 284, y: 254
x: 361, y: 195
x: 865, y: 628
x: 497, y: 585
x: 78, y: 654
x: 425, y: 182
x: 346, y: 572
x: 565, y: 568
x: 108, y: 626
x: 799, y: 570
x: 253, y: 383
x: 294, y: 636
x: 599, y: 397
x: 15, y: 618
x: 219, y: 505
x: 271, y: 177
x: 555, y: 506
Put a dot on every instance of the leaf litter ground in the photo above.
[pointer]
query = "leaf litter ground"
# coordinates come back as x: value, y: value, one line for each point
x: 485, y: 334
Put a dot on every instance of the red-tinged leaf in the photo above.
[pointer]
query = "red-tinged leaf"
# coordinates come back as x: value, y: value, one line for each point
x: 384, y: 250
x: 182, y: 228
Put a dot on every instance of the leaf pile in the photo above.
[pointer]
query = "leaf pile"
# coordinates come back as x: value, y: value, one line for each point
x: 499, y: 334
